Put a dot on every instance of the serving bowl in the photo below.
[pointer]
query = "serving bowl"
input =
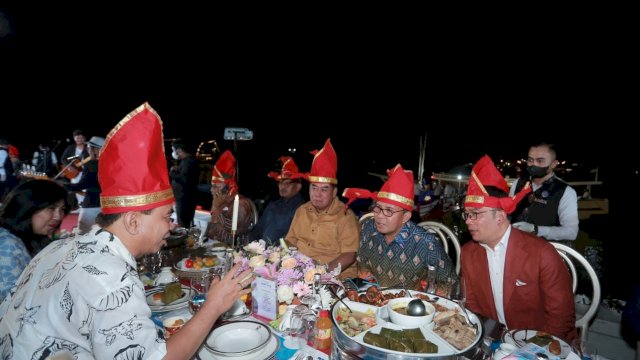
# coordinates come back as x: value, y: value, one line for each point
x: 398, y: 315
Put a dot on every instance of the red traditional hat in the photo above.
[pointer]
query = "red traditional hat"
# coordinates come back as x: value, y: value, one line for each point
x: 484, y: 173
x: 289, y: 170
x: 397, y: 190
x: 224, y: 171
x: 132, y: 169
x: 325, y: 165
x: 13, y: 151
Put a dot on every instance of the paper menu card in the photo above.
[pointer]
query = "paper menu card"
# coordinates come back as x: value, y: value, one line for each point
x: 264, y: 298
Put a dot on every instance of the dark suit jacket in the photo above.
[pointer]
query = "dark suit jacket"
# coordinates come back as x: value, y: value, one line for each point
x: 545, y: 303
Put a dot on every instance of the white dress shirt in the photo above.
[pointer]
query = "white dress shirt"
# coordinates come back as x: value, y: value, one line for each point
x: 495, y: 259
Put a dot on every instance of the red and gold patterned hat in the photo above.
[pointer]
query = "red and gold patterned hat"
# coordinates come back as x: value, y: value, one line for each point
x: 397, y: 190
x: 224, y: 171
x: 484, y: 174
x: 289, y: 170
x: 132, y: 170
x: 325, y: 165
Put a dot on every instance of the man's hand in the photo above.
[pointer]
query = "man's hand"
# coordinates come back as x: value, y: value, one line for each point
x: 525, y: 226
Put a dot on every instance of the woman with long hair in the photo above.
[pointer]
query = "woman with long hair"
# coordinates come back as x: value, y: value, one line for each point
x: 32, y: 212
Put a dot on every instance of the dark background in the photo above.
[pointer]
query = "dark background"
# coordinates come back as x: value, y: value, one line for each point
x: 297, y: 78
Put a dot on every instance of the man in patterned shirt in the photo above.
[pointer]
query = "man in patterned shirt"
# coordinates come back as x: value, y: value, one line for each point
x: 396, y: 249
x: 81, y: 297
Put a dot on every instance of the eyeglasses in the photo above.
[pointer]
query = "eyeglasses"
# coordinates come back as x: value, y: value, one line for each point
x: 386, y: 212
x: 473, y: 215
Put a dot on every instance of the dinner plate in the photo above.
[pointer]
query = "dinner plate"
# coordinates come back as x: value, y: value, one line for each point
x: 180, y: 266
x: 519, y: 338
x: 238, y: 338
x: 158, y: 305
x: 267, y: 352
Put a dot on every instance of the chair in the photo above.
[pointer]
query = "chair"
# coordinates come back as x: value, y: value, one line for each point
x: 569, y: 255
x: 254, y: 212
x: 364, y: 217
x: 445, y: 235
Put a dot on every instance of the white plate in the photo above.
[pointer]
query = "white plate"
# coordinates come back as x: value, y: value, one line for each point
x: 180, y: 266
x: 153, y: 302
x: 268, y: 352
x: 238, y: 338
x: 519, y: 338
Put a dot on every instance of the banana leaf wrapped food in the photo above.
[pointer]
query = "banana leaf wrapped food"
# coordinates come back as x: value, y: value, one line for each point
x: 376, y: 340
x: 172, y: 292
x: 407, y: 340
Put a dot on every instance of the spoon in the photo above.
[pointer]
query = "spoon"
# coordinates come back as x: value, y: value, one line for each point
x: 339, y: 298
x: 416, y: 307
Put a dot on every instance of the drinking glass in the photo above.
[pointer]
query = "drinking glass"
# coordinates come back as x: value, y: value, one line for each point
x: 199, y: 287
x: 459, y: 295
x: 292, y: 326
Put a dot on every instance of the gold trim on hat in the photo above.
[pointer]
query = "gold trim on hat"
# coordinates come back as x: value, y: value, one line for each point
x: 395, y: 197
x: 323, y: 179
x: 475, y: 177
x: 108, y: 202
x: 478, y: 199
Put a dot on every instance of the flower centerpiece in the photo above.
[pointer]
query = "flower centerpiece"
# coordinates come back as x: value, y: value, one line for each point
x: 293, y: 271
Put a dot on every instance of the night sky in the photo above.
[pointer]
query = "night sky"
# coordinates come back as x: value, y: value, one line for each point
x: 295, y: 86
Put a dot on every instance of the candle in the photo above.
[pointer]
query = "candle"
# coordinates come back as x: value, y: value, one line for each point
x: 234, y: 219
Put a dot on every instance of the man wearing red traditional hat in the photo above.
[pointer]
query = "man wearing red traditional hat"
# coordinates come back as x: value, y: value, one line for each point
x: 276, y: 218
x: 395, y: 248
x: 82, y: 297
x: 512, y: 276
x: 323, y: 228
x: 224, y: 189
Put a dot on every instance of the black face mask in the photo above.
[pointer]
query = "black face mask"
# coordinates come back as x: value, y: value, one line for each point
x: 537, y: 171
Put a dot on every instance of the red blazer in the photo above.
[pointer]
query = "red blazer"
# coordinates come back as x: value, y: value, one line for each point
x: 544, y: 298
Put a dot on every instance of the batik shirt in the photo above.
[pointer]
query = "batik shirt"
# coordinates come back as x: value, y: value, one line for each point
x: 406, y: 258
x: 82, y: 296
x: 14, y: 257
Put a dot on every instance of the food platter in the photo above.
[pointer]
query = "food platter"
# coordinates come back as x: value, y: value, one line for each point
x: 183, y: 271
x: 520, y: 338
x: 355, y: 346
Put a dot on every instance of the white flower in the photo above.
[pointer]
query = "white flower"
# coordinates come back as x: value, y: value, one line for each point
x: 274, y: 257
x: 256, y: 247
x: 285, y: 294
x: 257, y: 261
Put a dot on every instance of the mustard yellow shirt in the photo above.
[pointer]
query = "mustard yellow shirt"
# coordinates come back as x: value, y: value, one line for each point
x: 324, y: 235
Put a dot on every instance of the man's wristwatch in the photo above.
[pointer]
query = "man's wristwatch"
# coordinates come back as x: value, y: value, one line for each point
x: 535, y: 229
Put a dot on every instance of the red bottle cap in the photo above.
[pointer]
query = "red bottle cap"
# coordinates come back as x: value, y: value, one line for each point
x: 324, y: 313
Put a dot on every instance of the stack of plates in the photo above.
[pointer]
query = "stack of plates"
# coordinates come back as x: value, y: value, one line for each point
x: 240, y: 340
x: 159, y: 306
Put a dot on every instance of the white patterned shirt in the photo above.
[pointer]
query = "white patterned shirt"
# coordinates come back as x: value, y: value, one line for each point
x: 82, y: 296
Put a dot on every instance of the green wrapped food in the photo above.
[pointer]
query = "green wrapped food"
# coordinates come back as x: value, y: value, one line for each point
x: 424, y: 346
x: 376, y: 340
x: 402, y: 345
x: 172, y: 292
x: 391, y: 333
x: 413, y: 334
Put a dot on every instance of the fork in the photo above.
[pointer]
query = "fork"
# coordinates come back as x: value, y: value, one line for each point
x: 299, y: 356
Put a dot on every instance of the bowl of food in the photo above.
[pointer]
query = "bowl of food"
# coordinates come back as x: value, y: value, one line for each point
x: 397, y: 309
x: 173, y: 324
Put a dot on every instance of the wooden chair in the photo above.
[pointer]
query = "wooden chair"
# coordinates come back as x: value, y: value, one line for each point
x: 445, y: 235
x: 570, y: 256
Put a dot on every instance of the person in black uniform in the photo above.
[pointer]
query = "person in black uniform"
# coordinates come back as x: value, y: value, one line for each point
x: 184, y: 182
x: 551, y: 211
